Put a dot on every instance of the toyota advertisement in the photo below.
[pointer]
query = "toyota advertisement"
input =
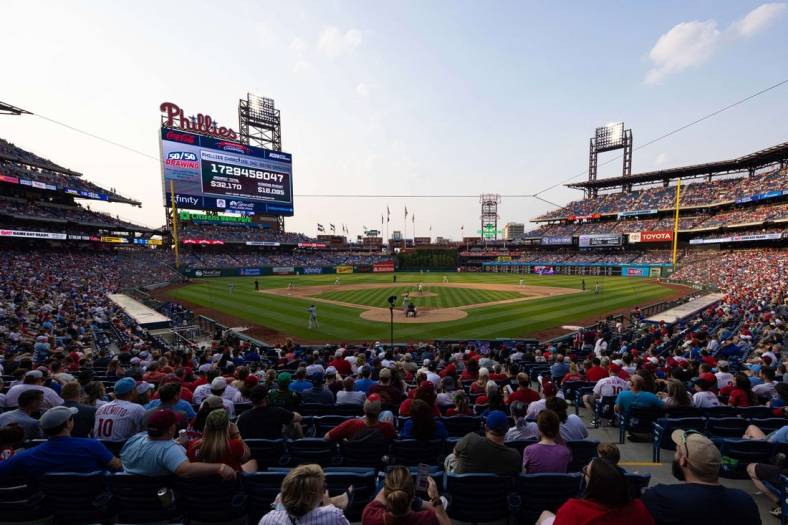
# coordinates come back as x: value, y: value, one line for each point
x: 656, y: 236
x: 214, y: 174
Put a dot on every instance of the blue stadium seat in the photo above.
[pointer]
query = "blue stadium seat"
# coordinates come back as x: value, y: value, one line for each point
x: 603, y: 409
x: 520, y: 444
x: 759, y: 412
x: 363, y: 454
x: 347, y: 410
x: 210, y: 499
x: 459, y: 426
x: 720, y: 411
x: 570, y: 388
x: 539, y: 492
x: 325, y: 423
x: 637, y: 482
x: 136, y: 498
x: 664, y: 427
x: 311, y: 450
x: 583, y: 451
x: 725, y: 427
x: 267, y: 452
x: 637, y: 420
x: 579, y: 393
x: 412, y: 452
x: 738, y: 453
x: 478, y: 497
x: 21, y: 501
x: 680, y: 412
x: 77, y: 497
x: 364, y: 485
x: 261, y: 489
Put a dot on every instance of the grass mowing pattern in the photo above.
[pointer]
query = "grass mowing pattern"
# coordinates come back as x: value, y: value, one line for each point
x: 445, y: 297
x: 338, y: 323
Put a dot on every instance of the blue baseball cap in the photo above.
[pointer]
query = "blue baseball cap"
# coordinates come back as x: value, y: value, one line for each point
x: 124, y: 386
x: 497, y: 422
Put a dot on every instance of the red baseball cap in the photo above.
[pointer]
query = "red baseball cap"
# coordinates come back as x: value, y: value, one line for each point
x: 614, y: 368
x: 709, y: 378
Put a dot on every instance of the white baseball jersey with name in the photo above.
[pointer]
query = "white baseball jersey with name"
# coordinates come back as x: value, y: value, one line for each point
x: 118, y: 420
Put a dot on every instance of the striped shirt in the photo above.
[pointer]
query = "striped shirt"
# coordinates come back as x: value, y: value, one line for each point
x: 328, y: 515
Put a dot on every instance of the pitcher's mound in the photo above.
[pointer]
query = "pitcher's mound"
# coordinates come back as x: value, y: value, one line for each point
x: 424, y: 315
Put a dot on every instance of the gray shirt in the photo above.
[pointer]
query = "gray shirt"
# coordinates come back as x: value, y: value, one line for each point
x: 18, y: 417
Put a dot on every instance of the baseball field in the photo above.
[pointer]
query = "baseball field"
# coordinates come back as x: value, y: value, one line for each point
x: 454, y: 305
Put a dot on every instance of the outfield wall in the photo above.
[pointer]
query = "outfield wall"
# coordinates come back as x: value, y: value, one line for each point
x: 550, y: 268
x: 259, y: 271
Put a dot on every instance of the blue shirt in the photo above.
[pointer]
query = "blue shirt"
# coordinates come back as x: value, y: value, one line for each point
x: 559, y: 370
x: 628, y: 398
x: 148, y: 457
x: 440, y: 430
x: 58, y: 454
x: 300, y: 385
x: 779, y: 436
x: 362, y: 385
x: 180, y: 406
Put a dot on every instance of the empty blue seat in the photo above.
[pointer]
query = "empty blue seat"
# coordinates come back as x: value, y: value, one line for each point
x: 311, y: 450
x: 478, y: 497
x: 363, y: 454
x: 664, y: 427
x: 347, y: 410
x: 760, y: 412
x: 413, y: 451
x: 726, y: 427
x: 364, y: 485
x: 637, y: 482
x: 579, y: 393
x: 210, y: 499
x: 325, y: 423
x: 136, y: 498
x: 520, y: 444
x: 261, y: 489
x: 603, y: 409
x: 720, y: 411
x: 20, y: 501
x: 637, y: 420
x: 267, y: 452
x: 679, y: 412
x: 539, y: 492
x: 583, y: 451
x: 459, y: 426
x: 77, y: 497
x: 738, y: 453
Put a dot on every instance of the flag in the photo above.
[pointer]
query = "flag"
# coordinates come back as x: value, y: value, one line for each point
x: 406, y: 212
x: 381, y: 219
x: 320, y: 227
x: 413, y: 218
x: 333, y: 228
x: 388, y: 214
x: 430, y: 228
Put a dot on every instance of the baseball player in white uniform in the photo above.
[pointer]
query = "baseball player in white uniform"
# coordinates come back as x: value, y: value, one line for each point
x: 313, y: 317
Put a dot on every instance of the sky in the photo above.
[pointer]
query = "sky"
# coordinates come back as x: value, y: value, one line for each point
x: 397, y: 98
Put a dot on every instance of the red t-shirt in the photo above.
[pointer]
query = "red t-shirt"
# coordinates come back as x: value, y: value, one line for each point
x: 468, y: 412
x: 595, y: 373
x: 343, y: 367
x: 349, y: 428
x: 587, y: 512
x: 375, y: 514
x: 235, y: 451
x: 404, y: 409
x: 476, y: 388
x: 526, y: 395
x: 738, y: 398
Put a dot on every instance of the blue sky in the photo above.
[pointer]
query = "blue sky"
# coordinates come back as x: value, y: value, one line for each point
x: 398, y: 98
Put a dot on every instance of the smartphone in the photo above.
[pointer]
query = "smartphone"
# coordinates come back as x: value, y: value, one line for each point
x: 422, y: 480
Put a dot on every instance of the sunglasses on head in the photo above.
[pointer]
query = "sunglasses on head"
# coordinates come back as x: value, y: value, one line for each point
x: 684, y: 435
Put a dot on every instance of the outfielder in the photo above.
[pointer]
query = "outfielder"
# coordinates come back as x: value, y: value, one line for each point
x: 313, y: 317
x: 445, y: 279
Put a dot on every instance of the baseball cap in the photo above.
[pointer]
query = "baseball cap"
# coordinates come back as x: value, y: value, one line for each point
x: 708, y: 377
x: 142, y: 387
x: 56, y: 416
x: 385, y: 373
x: 214, y: 402
x: 497, y: 422
x: 372, y: 405
x: 124, y: 386
x: 615, y: 368
x: 316, y: 379
x: 283, y: 378
x: 37, y: 374
x: 331, y: 371
x: 251, y: 380
x: 218, y: 383
x: 160, y: 421
x: 699, y: 450
x: 549, y: 389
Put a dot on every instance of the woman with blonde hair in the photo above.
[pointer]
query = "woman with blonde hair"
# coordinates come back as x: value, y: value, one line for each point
x: 677, y: 395
x: 304, y: 500
x: 394, y: 503
x: 221, y: 443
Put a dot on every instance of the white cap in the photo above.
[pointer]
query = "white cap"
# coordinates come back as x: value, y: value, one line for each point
x: 219, y: 383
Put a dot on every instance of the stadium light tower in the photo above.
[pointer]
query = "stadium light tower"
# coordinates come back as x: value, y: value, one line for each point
x: 609, y: 138
x: 489, y: 216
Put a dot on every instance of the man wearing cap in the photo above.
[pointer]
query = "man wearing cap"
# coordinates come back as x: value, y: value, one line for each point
x: 701, y: 498
x: 342, y: 366
x: 488, y: 454
x: 61, y: 452
x: 389, y: 394
x: 610, y: 386
x: 29, y: 404
x: 317, y: 393
x: 33, y: 380
x: 155, y: 453
x: 352, y: 428
x: 283, y: 397
x: 211, y: 385
x: 262, y: 421
x: 549, y: 390
x: 119, y: 419
x: 524, y: 393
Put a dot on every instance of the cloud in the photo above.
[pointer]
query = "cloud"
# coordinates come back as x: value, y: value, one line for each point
x: 661, y: 159
x: 297, y: 45
x: 758, y: 19
x: 362, y: 89
x: 333, y: 43
x: 301, y: 66
x: 691, y: 44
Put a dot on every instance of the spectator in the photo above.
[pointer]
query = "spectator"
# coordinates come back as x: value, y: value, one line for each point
x: 474, y: 453
x: 304, y: 500
x: 29, y: 403
x: 479, y: 386
x: 61, y: 452
x: 155, y: 453
x: 700, y: 498
x: 461, y: 407
x: 723, y: 375
x: 610, y: 453
x: 300, y: 384
x: 742, y: 394
x: 33, y: 380
x: 170, y: 398
x: 221, y: 443
x: 549, y: 390
x: 524, y: 393
x: 572, y: 426
x: 85, y: 418
x: 283, y: 397
x: 596, y: 372
x: 606, y: 501
x: 559, y: 369
x: 393, y: 505
x: 636, y: 397
x: 676, y: 396
x: 389, y: 394
x: 611, y: 385
x: 11, y: 438
x: 549, y: 454
x: 262, y: 421
x: 522, y: 429
x: 120, y: 419
x: 424, y: 392
x: 422, y: 424
x: 703, y: 396
x: 766, y: 389
x: 316, y: 393
x: 364, y: 381
x: 210, y: 404
x: 370, y: 428
x: 350, y: 395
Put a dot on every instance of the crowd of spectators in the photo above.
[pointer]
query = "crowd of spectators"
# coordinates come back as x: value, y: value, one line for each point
x: 296, y: 258
x: 18, y: 209
x: 238, y: 233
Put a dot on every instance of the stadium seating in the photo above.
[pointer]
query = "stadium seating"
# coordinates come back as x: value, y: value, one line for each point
x: 539, y: 492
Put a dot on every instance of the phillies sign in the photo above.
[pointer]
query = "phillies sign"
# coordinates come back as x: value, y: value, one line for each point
x: 658, y: 236
x: 174, y: 117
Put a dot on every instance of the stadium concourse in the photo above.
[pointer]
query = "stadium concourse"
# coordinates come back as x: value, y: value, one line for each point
x: 104, y: 420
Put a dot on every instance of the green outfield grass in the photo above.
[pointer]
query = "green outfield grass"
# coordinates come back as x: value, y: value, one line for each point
x: 444, y: 297
x: 288, y: 315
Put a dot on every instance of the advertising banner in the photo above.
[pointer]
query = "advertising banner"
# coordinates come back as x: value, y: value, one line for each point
x: 344, y: 268
x: 739, y: 238
x: 6, y: 178
x: 251, y: 271
x: 202, y: 241
x: 543, y: 270
x: 762, y: 196
x: 628, y: 271
x: 363, y: 268
x: 556, y: 241
x: 32, y: 235
x: 600, y: 240
x: 311, y: 245
x: 312, y: 271
x: 382, y: 267
x: 283, y: 270
x: 262, y: 243
x: 655, y: 236
x: 114, y: 240
x: 207, y: 273
x: 655, y: 271
x: 637, y: 213
x: 86, y: 238
x: 203, y: 217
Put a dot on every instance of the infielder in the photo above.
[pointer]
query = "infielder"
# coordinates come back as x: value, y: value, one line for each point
x: 336, y: 281
x: 421, y: 288
x: 230, y: 288
x: 597, y: 288
x: 445, y: 279
x: 522, y: 282
x: 313, y: 317
x: 405, y: 303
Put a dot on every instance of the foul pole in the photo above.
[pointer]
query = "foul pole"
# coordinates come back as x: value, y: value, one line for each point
x: 676, y: 222
x: 174, y: 222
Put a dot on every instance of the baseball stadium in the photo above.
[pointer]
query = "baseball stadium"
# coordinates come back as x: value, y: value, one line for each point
x: 218, y: 350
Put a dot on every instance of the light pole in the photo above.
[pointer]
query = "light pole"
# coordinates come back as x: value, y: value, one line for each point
x: 392, y: 301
